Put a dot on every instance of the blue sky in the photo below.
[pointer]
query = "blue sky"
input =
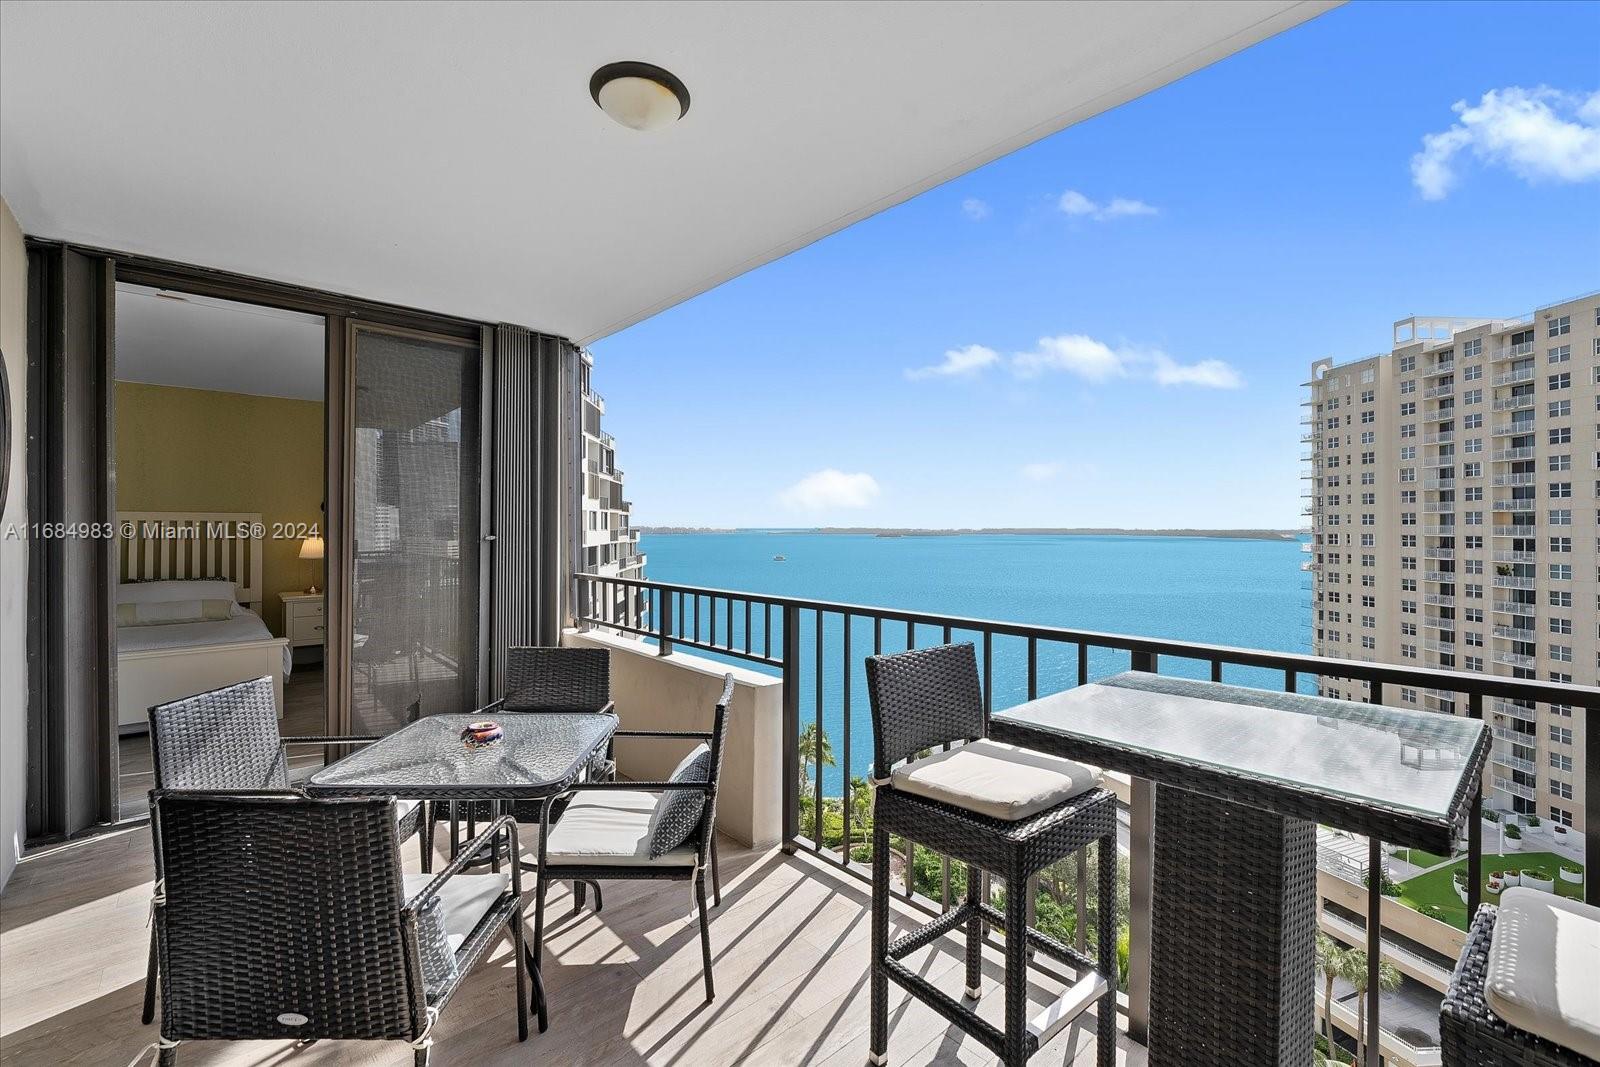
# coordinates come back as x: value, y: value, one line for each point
x: 1145, y: 291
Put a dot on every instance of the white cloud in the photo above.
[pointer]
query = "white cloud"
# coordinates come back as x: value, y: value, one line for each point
x: 1055, y: 470
x: 1077, y: 205
x: 975, y: 209
x: 1096, y: 361
x: 1540, y: 134
x: 830, y: 489
x: 1210, y: 373
x: 1040, y: 472
x: 957, y: 363
x: 1073, y: 353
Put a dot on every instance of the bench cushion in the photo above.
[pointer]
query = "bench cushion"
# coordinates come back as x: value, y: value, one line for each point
x: 610, y: 828
x: 1000, y: 781
x: 1541, y: 975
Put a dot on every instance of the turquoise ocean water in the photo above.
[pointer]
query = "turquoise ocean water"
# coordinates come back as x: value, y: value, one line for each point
x: 1248, y: 593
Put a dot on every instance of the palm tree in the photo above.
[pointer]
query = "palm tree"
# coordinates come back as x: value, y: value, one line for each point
x: 808, y: 753
x: 1332, y: 962
x: 860, y: 807
x: 1356, y: 974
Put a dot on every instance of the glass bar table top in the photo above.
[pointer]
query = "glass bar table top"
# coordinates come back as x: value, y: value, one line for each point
x: 542, y: 753
x: 1369, y: 755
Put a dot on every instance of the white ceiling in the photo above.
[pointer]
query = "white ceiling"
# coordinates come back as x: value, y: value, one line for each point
x: 448, y: 156
x: 200, y: 343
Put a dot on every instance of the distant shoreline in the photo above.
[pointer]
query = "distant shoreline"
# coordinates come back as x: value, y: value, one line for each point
x: 889, y: 531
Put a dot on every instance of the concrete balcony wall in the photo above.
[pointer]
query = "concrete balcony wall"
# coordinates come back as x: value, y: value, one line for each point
x: 679, y: 692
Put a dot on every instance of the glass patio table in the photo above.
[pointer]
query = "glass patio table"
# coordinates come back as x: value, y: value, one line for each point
x: 542, y: 755
x: 1243, y: 777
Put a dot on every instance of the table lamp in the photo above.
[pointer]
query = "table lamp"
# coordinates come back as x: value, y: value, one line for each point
x: 311, y: 548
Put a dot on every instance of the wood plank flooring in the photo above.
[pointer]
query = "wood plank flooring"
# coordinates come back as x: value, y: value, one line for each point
x: 789, y: 944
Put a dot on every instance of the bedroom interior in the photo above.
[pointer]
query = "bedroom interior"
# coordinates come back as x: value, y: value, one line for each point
x: 219, y: 463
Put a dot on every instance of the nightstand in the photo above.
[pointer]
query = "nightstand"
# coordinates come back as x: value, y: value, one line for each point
x: 303, y: 621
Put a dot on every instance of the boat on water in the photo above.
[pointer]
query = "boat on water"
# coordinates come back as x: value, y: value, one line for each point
x: 780, y: 559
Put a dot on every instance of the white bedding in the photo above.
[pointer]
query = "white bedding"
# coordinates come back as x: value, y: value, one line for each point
x: 246, y: 626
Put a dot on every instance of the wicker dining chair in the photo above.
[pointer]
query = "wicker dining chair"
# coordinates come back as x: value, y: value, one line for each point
x: 228, y: 739
x: 280, y: 916
x: 543, y: 678
x: 611, y: 829
x: 995, y: 808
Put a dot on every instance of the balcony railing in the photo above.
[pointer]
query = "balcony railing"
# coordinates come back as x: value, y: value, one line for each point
x: 1506, y: 455
x: 1513, y: 429
x: 1515, y: 530
x: 1516, y: 503
x: 1514, y: 659
x: 1515, y: 710
x: 1439, y: 483
x: 1515, y: 351
x: 1439, y: 390
x: 1506, y: 785
x: 1514, y: 607
x: 1439, y: 507
x: 1514, y: 403
x: 1515, y: 479
x: 1502, y: 755
x: 1521, y: 374
x: 817, y: 647
x: 1515, y: 633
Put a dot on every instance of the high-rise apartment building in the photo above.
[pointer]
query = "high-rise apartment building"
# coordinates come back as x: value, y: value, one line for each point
x: 610, y: 544
x: 1453, y: 491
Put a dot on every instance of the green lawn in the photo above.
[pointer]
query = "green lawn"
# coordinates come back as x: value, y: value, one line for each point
x: 1436, y: 887
x: 1420, y: 857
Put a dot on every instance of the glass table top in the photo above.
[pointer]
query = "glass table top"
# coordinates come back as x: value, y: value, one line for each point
x: 542, y: 753
x: 1366, y: 753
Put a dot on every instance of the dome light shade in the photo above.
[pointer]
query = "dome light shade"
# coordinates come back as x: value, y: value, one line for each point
x: 640, y: 96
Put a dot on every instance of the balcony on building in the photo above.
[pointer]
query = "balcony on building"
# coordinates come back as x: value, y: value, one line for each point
x: 493, y: 205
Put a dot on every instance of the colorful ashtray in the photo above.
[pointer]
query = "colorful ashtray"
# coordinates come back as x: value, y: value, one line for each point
x: 482, y: 734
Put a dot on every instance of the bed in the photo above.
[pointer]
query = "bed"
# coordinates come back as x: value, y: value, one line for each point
x: 189, y: 609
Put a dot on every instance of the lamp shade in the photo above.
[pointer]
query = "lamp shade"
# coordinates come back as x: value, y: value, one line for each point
x: 311, y: 548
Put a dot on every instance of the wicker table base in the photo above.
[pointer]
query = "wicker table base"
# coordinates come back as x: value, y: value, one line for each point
x: 1235, y: 909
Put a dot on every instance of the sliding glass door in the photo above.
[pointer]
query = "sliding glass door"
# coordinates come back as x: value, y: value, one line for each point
x: 413, y: 518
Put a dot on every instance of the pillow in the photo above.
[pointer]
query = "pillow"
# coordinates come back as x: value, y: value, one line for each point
x: 166, y: 591
x: 678, y: 813
x: 156, y: 614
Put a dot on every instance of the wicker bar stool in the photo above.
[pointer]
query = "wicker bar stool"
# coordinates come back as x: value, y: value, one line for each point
x: 1517, y: 998
x: 997, y: 808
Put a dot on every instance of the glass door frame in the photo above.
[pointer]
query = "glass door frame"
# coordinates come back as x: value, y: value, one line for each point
x: 340, y: 561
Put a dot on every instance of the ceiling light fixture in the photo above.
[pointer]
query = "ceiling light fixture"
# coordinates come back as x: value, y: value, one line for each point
x: 641, y: 96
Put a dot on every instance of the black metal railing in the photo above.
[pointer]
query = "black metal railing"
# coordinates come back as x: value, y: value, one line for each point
x: 1016, y: 659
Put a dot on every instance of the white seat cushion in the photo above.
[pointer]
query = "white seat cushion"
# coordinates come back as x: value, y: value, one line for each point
x: 464, y: 898
x: 1000, y: 781
x: 1541, y: 972
x: 402, y: 808
x: 610, y: 828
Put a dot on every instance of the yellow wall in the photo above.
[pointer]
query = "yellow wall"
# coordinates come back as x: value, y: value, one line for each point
x: 198, y: 450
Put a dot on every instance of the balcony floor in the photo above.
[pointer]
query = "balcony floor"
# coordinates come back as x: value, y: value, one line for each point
x: 789, y: 944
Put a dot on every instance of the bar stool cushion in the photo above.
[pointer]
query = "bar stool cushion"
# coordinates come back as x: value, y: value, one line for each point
x: 611, y: 828
x: 1541, y: 975
x: 996, y: 780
